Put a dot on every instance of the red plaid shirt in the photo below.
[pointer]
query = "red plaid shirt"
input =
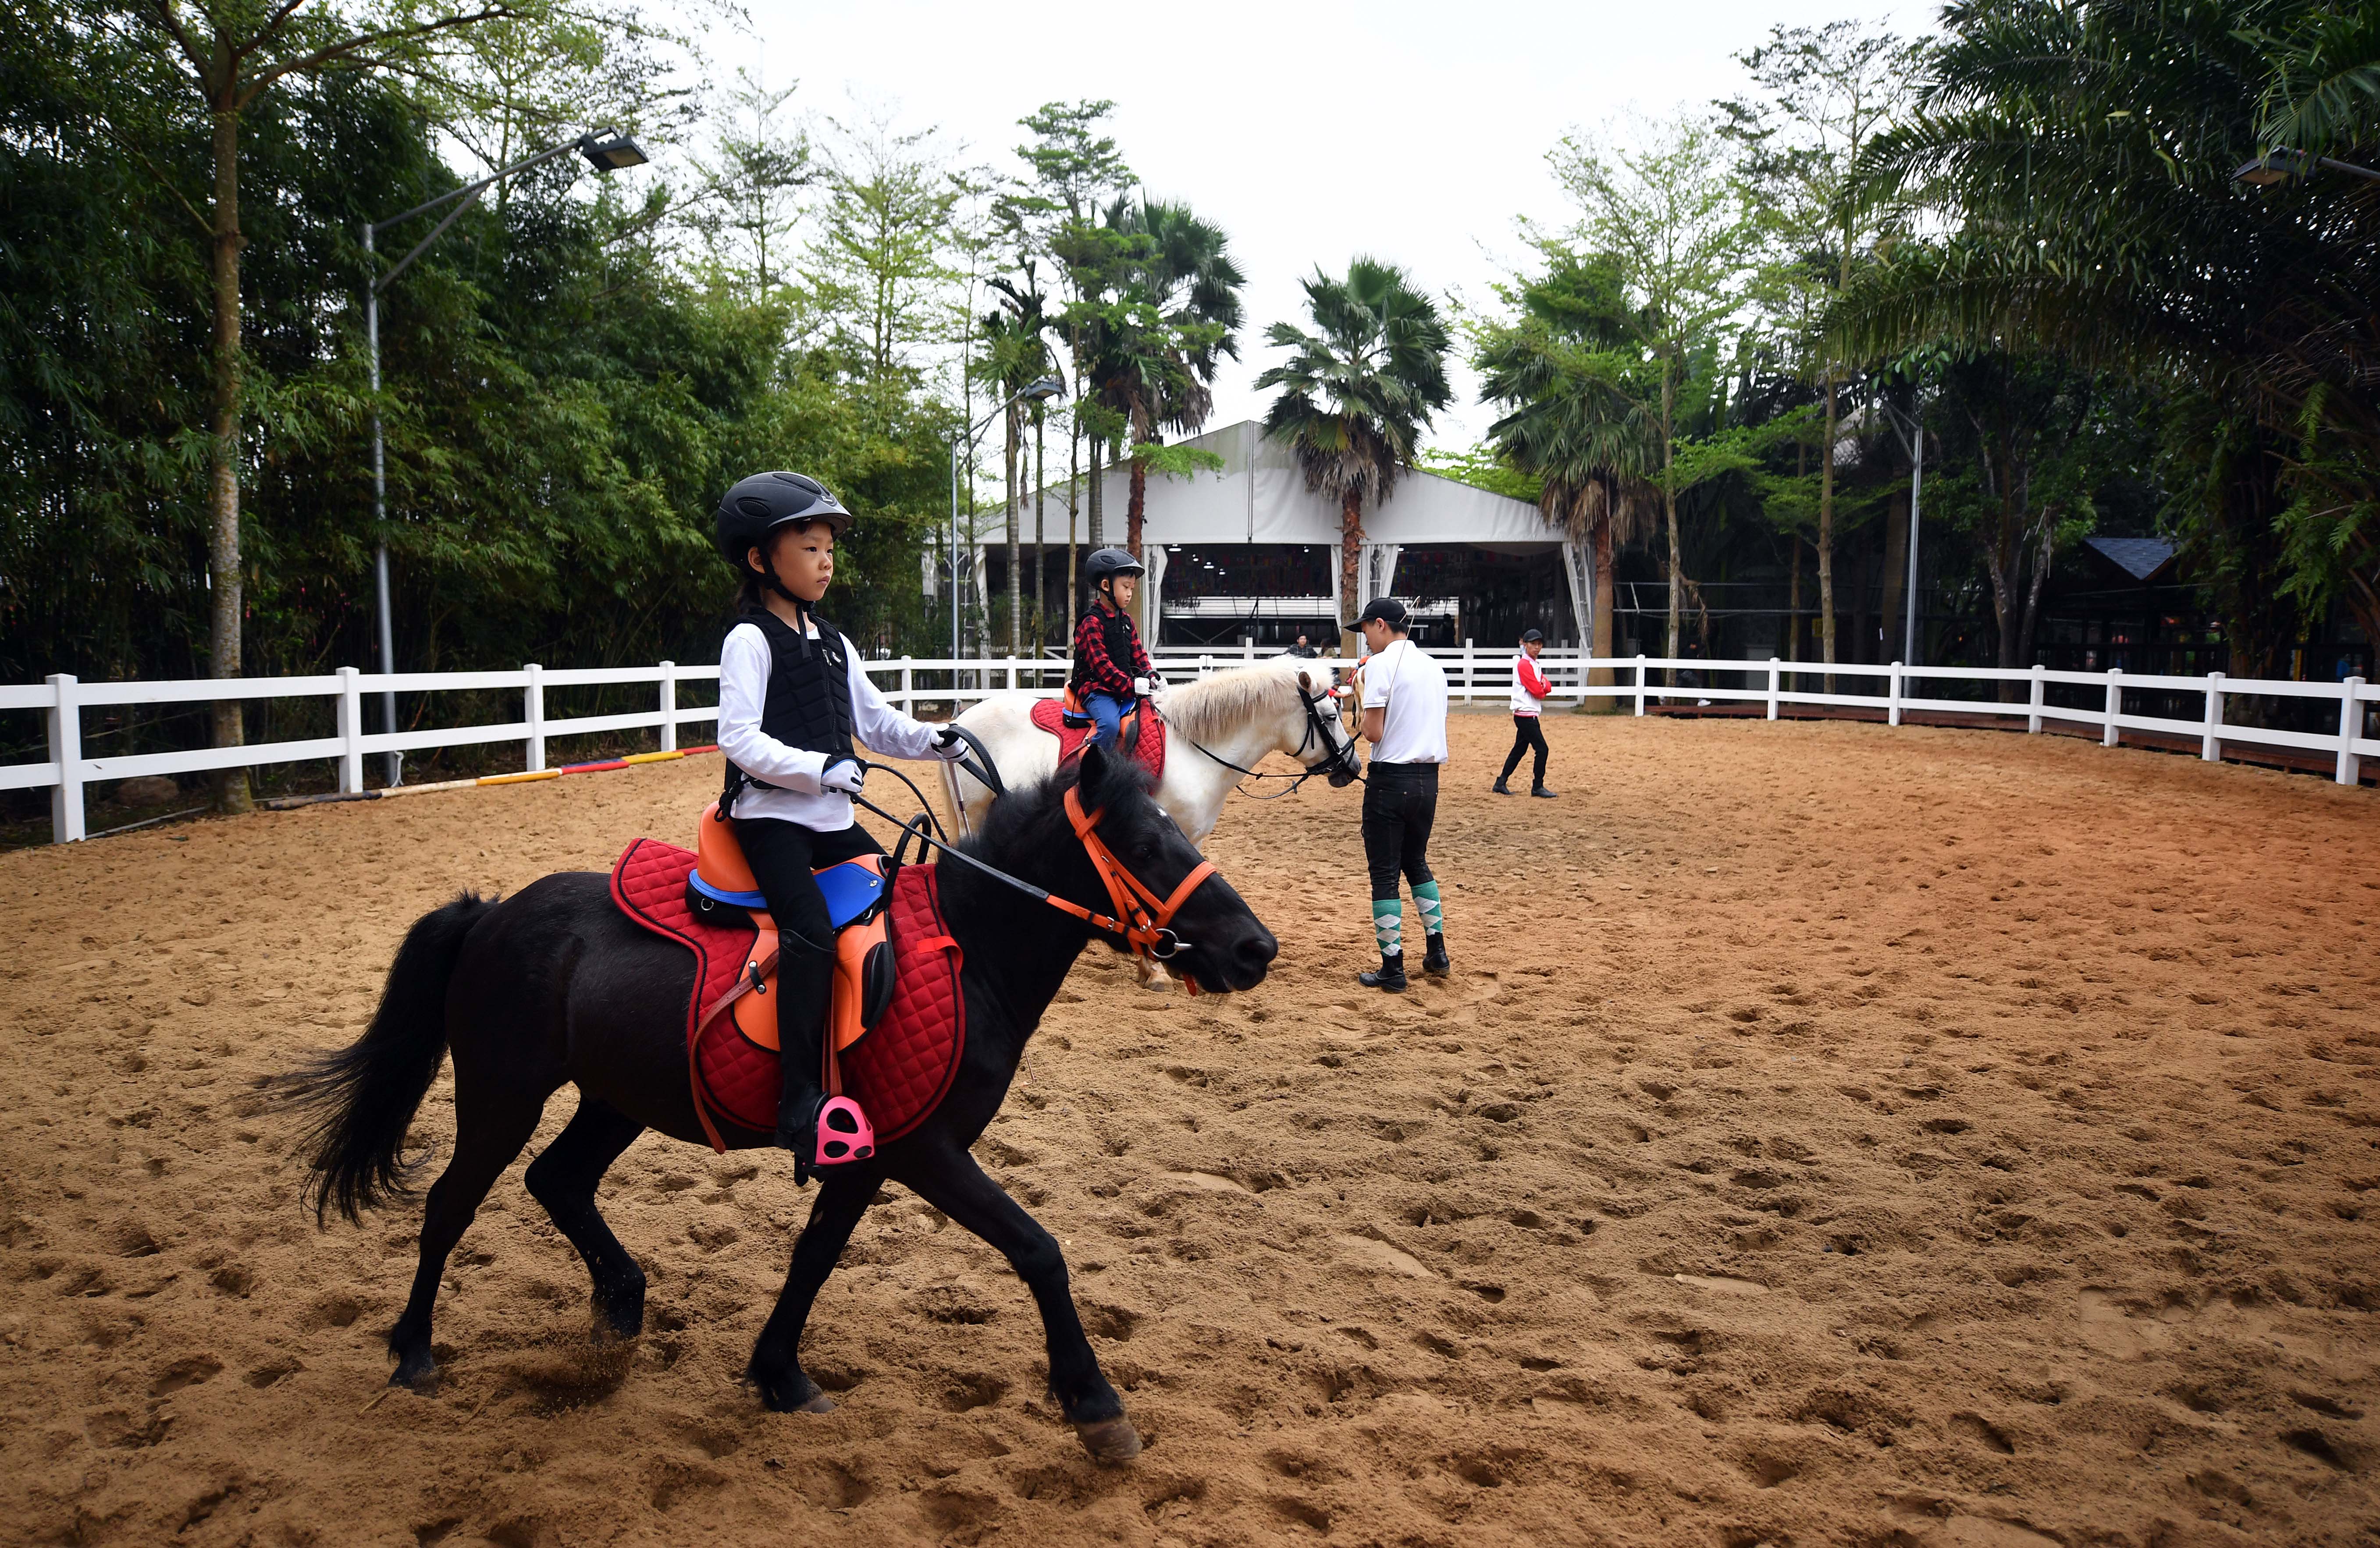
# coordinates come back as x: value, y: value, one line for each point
x: 1100, y: 670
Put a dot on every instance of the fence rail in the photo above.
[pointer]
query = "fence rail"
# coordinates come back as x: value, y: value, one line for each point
x: 911, y: 682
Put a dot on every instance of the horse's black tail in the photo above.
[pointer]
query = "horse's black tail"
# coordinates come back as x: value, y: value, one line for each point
x: 369, y: 1091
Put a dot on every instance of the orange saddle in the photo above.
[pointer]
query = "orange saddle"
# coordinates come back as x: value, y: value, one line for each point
x: 721, y: 886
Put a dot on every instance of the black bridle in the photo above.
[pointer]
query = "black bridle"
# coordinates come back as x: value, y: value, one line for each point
x: 1339, y: 754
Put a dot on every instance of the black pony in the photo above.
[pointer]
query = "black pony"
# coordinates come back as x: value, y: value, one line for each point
x: 553, y: 986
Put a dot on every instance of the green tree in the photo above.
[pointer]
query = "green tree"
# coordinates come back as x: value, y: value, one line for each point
x: 1356, y: 393
x: 1078, y: 172
x: 1568, y: 373
x: 877, y: 265
x: 1672, y: 217
x: 1153, y: 353
x: 2082, y: 162
x: 225, y: 57
x: 1016, y: 353
x: 1823, y: 95
x: 745, y: 208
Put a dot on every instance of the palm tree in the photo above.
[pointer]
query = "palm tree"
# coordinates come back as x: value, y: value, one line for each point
x: 1017, y: 352
x: 1577, y: 419
x: 1177, y: 319
x: 1356, y: 394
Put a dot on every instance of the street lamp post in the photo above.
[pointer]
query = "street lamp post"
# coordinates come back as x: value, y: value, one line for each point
x: 1032, y: 392
x: 1915, y: 441
x: 606, y: 151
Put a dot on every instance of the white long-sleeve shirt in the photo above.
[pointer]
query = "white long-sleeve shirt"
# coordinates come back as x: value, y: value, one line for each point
x: 745, y: 662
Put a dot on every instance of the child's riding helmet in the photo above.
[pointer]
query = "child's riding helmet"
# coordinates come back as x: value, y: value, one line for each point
x: 759, y: 505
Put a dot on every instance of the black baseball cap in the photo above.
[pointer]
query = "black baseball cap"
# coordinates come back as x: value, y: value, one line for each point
x: 1385, y: 610
x: 1529, y: 634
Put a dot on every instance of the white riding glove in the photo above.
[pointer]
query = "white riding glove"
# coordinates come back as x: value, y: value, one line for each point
x: 948, y: 745
x: 842, y: 777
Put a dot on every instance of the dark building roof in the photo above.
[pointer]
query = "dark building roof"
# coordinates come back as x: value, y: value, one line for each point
x: 2140, y: 558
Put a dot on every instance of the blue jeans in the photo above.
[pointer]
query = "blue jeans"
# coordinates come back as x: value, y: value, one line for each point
x: 1107, y: 716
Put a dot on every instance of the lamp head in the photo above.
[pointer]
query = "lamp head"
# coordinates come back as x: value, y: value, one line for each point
x: 609, y: 150
x: 2273, y: 166
x: 1043, y: 391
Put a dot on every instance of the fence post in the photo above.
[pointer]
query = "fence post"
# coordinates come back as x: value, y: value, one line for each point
x: 2351, y: 723
x: 533, y: 711
x: 1893, y: 711
x: 2113, y: 733
x: 66, y: 751
x: 1011, y: 675
x: 1206, y: 664
x: 1774, y: 679
x: 908, y: 685
x: 1470, y: 669
x: 1248, y: 649
x: 1640, y: 682
x: 2211, y: 749
x: 669, y: 707
x: 351, y: 731
x: 2032, y: 721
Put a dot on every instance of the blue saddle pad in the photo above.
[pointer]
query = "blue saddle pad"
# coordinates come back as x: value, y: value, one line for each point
x: 852, y: 887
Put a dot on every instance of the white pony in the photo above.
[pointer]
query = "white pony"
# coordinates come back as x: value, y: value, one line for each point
x: 1216, y: 730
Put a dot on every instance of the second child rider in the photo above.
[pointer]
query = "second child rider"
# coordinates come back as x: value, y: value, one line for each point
x: 792, y: 700
x: 1111, y: 669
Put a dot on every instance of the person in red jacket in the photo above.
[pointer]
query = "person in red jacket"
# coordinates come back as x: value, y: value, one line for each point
x: 1530, y: 687
x: 1111, y: 669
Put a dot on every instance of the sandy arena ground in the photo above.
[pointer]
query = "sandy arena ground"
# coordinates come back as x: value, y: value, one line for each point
x: 1831, y: 1136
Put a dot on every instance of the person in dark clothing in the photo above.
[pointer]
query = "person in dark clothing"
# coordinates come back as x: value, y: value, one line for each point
x: 1304, y: 650
x: 792, y: 698
x: 1530, y: 687
x: 1112, y: 670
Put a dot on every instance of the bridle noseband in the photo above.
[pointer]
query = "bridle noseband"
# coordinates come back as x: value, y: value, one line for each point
x: 1146, y: 933
x: 1338, y: 758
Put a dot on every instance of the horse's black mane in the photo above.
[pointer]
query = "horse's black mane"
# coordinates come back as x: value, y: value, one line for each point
x: 1035, y: 815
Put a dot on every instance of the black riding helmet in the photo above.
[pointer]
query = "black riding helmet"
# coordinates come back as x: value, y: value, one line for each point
x: 1106, y: 562
x: 759, y: 505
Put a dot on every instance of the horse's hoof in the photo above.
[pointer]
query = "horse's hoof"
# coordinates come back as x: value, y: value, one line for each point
x: 1160, y: 984
x: 820, y: 1403
x: 421, y: 1378
x: 1111, y: 1442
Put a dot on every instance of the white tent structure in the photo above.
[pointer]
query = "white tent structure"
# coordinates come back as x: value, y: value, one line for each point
x: 1259, y: 497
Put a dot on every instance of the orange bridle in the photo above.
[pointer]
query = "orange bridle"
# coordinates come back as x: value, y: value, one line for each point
x: 1141, y: 918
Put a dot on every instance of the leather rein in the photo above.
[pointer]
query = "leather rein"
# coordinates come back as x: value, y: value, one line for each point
x: 1142, y: 919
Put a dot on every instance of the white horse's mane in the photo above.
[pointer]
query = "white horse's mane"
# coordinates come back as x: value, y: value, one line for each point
x: 1213, y: 707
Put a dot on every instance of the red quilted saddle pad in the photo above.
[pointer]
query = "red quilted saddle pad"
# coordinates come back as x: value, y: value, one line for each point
x: 1047, y: 716
x: 899, y: 1071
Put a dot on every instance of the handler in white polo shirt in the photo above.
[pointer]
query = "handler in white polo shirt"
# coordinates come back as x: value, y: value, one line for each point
x: 1405, y: 720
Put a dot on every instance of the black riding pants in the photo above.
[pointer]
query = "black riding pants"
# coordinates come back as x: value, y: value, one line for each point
x: 782, y: 856
x: 1526, y: 733
x: 1400, y: 803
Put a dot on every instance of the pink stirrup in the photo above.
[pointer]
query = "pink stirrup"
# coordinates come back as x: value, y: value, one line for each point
x: 844, y: 1133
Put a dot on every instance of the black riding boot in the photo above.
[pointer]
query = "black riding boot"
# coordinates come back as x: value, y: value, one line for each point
x: 805, y: 989
x: 1434, y: 960
x: 1391, y: 976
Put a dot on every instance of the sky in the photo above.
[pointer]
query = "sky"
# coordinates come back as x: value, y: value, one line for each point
x: 1311, y: 132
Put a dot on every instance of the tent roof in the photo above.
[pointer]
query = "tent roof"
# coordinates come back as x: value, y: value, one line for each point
x: 2140, y: 558
x: 1260, y: 497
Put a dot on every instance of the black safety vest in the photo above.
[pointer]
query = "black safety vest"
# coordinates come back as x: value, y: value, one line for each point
x: 1118, y: 635
x: 808, y: 703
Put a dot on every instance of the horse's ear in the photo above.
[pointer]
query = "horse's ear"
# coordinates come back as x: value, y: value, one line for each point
x: 1093, y: 779
x: 1305, y: 680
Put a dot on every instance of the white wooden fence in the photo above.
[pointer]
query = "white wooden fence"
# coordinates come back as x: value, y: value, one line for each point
x: 1473, y: 674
